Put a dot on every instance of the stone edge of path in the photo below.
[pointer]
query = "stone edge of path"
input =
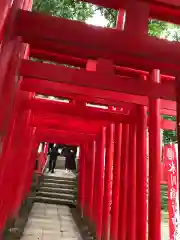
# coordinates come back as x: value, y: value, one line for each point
x: 86, y: 231
x: 14, y: 228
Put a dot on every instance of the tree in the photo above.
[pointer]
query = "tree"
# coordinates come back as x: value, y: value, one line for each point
x: 64, y: 8
x: 169, y: 135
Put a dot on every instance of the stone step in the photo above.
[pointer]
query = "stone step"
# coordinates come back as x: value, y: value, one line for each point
x: 55, y: 195
x: 54, y: 201
x: 57, y: 190
x: 59, y: 181
x: 68, y: 179
x: 57, y: 185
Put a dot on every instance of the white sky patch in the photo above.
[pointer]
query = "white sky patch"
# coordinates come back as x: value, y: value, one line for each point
x: 171, y: 33
x: 97, y: 20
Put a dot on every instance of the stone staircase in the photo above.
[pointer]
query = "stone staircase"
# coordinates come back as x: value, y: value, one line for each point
x: 56, y: 190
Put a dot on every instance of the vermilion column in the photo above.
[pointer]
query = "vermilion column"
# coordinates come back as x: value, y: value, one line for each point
x: 86, y: 180
x: 123, y: 183
x: 80, y: 176
x: 91, y: 178
x: 83, y: 153
x: 120, y: 19
x: 107, y: 181
x: 96, y: 178
x: 178, y: 128
x: 100, y: 184
x: 154, y: 164
x: 131, y: 182
x: 116, y: 182
x: 141, y: 177
x: 34, y: 151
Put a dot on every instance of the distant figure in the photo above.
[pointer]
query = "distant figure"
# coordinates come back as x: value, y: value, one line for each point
x: 70, y: 164
x: 53, y: 158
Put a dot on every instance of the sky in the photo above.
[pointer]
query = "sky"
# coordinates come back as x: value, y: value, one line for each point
x: 97, y: 20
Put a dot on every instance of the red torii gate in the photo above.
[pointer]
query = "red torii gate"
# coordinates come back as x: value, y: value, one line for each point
x: 99, y: 83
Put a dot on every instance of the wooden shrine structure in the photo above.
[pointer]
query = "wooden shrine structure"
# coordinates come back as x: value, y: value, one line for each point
x: 137, y: 78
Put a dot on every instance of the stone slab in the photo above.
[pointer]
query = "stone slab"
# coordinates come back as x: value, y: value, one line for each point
x: 47, y: 221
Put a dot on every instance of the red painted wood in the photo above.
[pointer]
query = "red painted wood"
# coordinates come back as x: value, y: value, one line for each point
x: 66, y: 75
x: 42, y: 119
x: 178, y: 128
x: 154, y: 223
x: 155, y: 53
x: 116, y: 4
x: 84, y: 180
x: 100, y: 183
x: 96, y: 179
x: 92, y: 149
x: 131, y: 182
x: 78, y: 93
x: 4, y: 8
x: 86, y: 183
x: 62, y: 134
x: 72, y: 125
x: 79, y: 62
x: 137, y: 14
x: 66, y: 122
x: 104, y: 96
x: 141, y: 179
x: 108, y: 181
x: 42, y: 106
x: 81, y: 177
x: 10, y: 54
x: 24, y: 171
x: 116, y: 182
x: 164, y: 10
x: 122, y: 224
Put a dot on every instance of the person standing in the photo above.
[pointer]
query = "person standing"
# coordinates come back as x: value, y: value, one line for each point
x: 70, y: 163
x: 53, y: 158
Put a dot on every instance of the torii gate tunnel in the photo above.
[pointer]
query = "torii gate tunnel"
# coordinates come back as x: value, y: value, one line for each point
x: 134, y: 75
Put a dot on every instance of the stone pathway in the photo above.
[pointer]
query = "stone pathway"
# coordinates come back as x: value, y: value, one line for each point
x: 47, y: 222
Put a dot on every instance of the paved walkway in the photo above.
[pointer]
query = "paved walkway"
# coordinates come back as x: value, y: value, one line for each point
x: 51, y: 222
x: 47, y: 222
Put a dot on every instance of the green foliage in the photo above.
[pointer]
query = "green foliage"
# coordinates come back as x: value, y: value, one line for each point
x: 169, y: 135
x: 64, y: 8
x: 157, y: 28
x: 110, y: 15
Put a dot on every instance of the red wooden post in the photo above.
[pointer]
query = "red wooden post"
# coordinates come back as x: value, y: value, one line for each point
x: 25, y: 170
x: 116, y: 182
x: 80, y: 176
x: 154, y: 164
x: 120, y: 19
x: 87, y: 186
x: 178, y: 128
x: 83, y: 154
x: 91, y: 178
x: 131, y: 182
x: 96, y: 178
x: 107, y: 181
x: 100, y: 184
x: 31, y: 170
x: 141, y: 177
x: 137, y: 14
x: 123, y: 183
